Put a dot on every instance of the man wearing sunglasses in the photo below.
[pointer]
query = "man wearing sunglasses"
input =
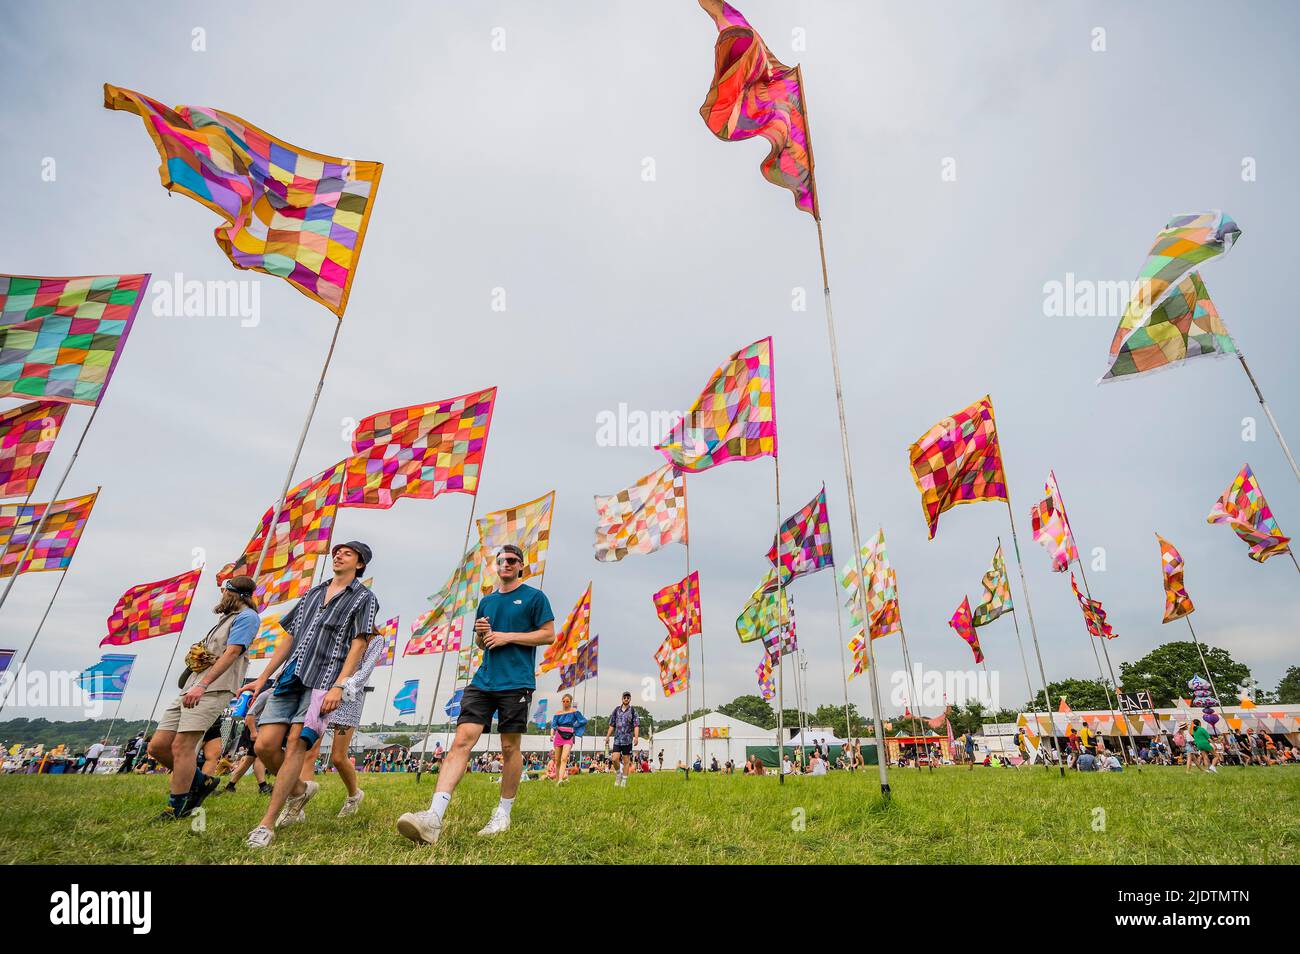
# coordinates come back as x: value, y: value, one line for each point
x: 509, y: 626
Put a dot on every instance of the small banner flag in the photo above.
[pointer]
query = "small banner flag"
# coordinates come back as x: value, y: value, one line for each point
x: 441, y: 639
x: 766, y: 610
x: 1177, y: 603
x: 268, y: 639
x: 60, y: 338
x: 674, y: 666
x: 152, y: 609
x: 467, y: 663
x: 1244, y: 509
x: 458, y: 596
x: 58, y: 528
x: 734, y: 418
x: 405, y: 699
x: 958, y: 461
x: 419, y: 451
x: 1051, y: 529
x: 1185, y: 325
x: 389, y: 632
x: 766, y: 684
x: 452, y: 708
x: 1094, y: 617
x: 587, y: 666
x: 575, y: 631
x: 804, y: 541
x: 882, y: 589
x: 642, y: 518
x: 27, y: 435
x: 961, y: 622
x: 539, y: 717
x: 107, y: 678
x: 298, y: 215
x: 997, y: 592
x: 678, y: 607
x: 527, y: 526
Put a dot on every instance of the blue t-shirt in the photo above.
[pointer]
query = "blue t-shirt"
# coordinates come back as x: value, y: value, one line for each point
x: 244, y: 628
x: 522, y: 610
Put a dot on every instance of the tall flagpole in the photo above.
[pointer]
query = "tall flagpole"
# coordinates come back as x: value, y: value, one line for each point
x: 844, y: 671
x: 1269, y: 414
x: 1019, y: 642
x: 40, y: 524
x: 780, y: 635
x: 687, y: 724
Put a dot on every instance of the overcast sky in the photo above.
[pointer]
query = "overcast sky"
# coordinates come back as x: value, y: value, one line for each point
x: 525, y: 169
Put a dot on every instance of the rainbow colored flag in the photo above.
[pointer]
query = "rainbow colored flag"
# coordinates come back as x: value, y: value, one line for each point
x: 389, y: 632
x: 440, y: 639
x: 1052, y: 529
x: 1177, y: 601
x: 269, y: 636
x: 768, y: 610
x: 585, y: 667
x: 755, y: 94
x: 152, y: 609
x: 575, y: 631
x: 958, y: 461
x: 678, y: 608
x: 527, y: 526
x: 57, y: 527
x: 1094, y: 617
x: 27, y: 435
x: 107, y: 678
x: 467, y: 663
x: 1185, y: 325
x: 295, y: 214
x: 642, y: 518
x: 997, y: 592
x: 766, y: 684
x: 961, y: 622
x: 1244, y: 509
x: 674, y: 667
x: 881, y: 596
x: 458, y: 596
x: 804, y: 541
x: 734, y: 418
x: 419, y: 451
x: 60, y: 338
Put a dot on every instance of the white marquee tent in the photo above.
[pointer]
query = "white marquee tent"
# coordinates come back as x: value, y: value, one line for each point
x: 738, y: 735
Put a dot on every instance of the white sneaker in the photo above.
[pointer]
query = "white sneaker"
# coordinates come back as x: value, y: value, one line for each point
x: 498, y: 823
x: 420, y: 827
x: 260, y: 837
x: 352, y: 804
x: 295, y: 804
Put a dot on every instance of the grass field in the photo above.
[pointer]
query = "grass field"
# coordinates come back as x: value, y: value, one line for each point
x: 949, y: 816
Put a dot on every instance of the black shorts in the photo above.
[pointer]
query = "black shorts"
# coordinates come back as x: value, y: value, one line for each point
x: 214, y: 731
x: 510, y: 706
x: 245, y: 741
x: 624, y: 749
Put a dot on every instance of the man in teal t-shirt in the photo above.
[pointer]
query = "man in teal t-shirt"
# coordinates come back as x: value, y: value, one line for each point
x: 509, y: 626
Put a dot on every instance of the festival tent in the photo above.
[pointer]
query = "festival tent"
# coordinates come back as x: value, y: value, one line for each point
x: 527, y: 743
x: 1283, y: 720
x: 813, y: 737
x: 728, y: 739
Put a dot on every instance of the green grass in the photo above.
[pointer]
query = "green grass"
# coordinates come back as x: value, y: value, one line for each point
x: 949, y: 816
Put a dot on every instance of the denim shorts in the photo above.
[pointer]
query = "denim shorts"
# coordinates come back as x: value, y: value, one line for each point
x: 286, y: 709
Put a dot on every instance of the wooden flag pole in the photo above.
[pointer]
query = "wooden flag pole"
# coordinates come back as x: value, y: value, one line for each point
x: 780, y: 636
x: 844, y: 670
x: 40, y: 524
x: 442, y: 657
x: 1271, y: 420
x: 302, y: 439
x: 1033, y: 634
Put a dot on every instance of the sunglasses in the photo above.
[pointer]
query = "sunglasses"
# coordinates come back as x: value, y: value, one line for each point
x: 508, y: 561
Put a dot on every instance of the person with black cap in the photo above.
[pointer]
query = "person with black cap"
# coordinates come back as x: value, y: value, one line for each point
x: 509, y: 626
x: 625, y: 727
x: 329, y: 630
x: 214, y: 672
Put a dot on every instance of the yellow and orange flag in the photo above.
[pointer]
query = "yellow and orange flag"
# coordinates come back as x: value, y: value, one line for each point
x: 576, y: 629
x: 1177, y: 603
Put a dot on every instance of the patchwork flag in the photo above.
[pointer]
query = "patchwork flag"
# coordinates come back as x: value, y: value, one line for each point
x: 1094, y: 617
x: 734, y: 418
x: 527, y: 526
x: 860, y: 653
x: 1052, y: 529
x: 958, y: 461
x: 452, y: 708
x: 1244, y: 509
x: 60, y: 338
x: 302, y: 535
x: 57, y: 527
x: 768, y: 609
x: 881, y: 595
x: 467, y: 663
x: 1185, y: 325
x: 781, y: 638
x: 405, y: 699
x: 440, y: 639
x: 674, y: 667
x: 997, y: 592
x: 1187, y: 242
x: 961, y: 622
x: 152, y: 609
x: 389, y: 632
x: 107, y: 678
x: 295, y: 214
x: 458, y: 596
x: 586, y: 667
x: 678, y: 607
x: 268, y: 639
x: 1177, y: 603
x: 540, y: 718
x: 575, y: 631
x: 419, y: 451
x: 755, y: 94
x: 27, y: 435
x: 642, y: 518
x: 766, y: 684
x: 804, y: 540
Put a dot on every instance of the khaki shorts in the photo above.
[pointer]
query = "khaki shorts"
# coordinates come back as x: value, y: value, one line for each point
x: 177, y: 718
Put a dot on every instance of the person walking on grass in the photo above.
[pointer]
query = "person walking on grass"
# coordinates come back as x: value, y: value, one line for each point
x: 1206, y: 756
x: 509, y: 626
x: 215, y: 670
x: 569, y: 724
x: 329, y: 630
x: 346, y: 719
x: 968, y: 742
x: 625, y: 727
x: 92, y: 757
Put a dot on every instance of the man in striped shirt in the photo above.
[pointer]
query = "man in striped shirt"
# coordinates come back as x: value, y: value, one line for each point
x: 330, y: 628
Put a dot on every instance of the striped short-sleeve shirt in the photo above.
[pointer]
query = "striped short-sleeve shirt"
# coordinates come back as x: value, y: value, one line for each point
x: 323, y: 632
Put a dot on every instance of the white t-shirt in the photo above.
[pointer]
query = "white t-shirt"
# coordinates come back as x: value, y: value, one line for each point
x: 94, y: 750
x: 818, y: 767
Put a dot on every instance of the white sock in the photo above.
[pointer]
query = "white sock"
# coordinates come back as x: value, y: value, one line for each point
x: 503, y: 806
x: 439, y: 804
